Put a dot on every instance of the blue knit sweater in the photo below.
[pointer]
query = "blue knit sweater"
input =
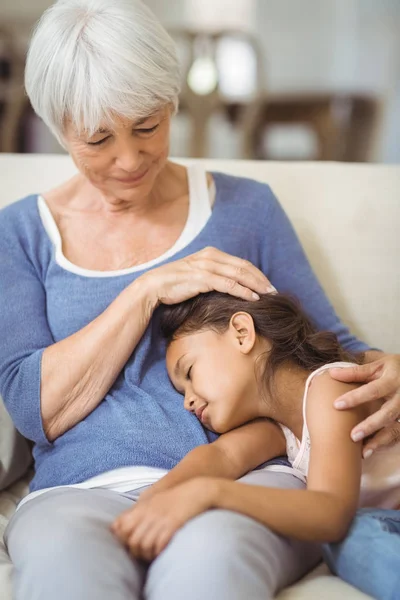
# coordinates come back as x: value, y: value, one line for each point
x: 141, y: 421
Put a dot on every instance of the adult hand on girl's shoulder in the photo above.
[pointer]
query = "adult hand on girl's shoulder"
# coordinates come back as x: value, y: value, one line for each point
x: 148, y: 527
x: 382, y: 382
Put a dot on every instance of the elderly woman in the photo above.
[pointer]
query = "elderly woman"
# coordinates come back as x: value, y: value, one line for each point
x: 83, y: 267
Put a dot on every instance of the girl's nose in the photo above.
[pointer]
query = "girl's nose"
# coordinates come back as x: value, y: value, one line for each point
x: 189, y: 402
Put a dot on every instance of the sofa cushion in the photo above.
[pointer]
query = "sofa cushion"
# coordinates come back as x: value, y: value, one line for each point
x: 15, y: 454
x: 8, y: 502
x: 321, y: 585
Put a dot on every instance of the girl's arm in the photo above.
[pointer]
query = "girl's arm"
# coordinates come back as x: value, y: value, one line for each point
x: 323, y: 512
x: 147, y: 527
x: 232, y: 455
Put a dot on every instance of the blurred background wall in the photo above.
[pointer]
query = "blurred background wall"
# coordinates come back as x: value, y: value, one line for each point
x: 272, y: 79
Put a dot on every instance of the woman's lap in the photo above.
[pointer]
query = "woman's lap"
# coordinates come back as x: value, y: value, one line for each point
x: 61, y: 545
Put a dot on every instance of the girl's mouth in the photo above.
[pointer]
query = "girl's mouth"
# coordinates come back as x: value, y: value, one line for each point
x: 199, y: 412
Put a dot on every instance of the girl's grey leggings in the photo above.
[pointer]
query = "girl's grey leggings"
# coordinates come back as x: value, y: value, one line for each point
x: 61, y: 547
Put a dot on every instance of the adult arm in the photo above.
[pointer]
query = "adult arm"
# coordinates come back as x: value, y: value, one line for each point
x: 48, y: 387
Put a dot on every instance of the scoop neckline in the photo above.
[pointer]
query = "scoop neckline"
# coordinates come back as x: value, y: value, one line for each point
x: 64, y: 263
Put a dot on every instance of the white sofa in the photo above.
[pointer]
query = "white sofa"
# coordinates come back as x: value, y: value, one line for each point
x: 348, y: 219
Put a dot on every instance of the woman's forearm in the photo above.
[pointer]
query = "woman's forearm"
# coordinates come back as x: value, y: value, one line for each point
x: 78, y: 371
x: 302, y: 514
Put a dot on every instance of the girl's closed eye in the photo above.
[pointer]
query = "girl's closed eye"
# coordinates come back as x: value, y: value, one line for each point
x: 188, y: 373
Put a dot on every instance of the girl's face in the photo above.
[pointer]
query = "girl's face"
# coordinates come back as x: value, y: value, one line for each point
x: 216, y: 373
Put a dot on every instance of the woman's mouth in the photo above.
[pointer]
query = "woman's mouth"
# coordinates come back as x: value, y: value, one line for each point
x: 133, y: 179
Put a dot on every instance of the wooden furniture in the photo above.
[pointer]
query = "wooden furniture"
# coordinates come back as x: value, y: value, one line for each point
x: 200, y: 107
x: 13, y: 99
x: 345, y: 125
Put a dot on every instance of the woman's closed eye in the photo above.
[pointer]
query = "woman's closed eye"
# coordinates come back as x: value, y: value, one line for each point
x: 147, y: 130
x: 98, y: 142
x: 142, y: 131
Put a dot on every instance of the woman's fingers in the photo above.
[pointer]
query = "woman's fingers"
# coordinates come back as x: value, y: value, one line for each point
x: 239, y: 269
x: 236, y: 274
x: 389, y: 436
x: 382, y: 383
x: 386, y: 415
x: 232, y: 287
x: 376, y: 390
x: 206, y: 271
x: 357, y: 374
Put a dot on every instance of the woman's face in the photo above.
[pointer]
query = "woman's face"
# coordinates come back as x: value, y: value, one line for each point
x: 216, y: 378
x: 123, y: 162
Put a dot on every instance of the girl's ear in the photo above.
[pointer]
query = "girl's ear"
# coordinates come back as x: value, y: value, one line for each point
x: 241, y: 326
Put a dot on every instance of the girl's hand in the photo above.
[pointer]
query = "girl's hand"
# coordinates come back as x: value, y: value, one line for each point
x: 206, y: 271
x: 148, y: 527
x: 382, y: 379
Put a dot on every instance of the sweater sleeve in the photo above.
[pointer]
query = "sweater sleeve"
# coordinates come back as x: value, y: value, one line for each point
x: 24, y: 332
x: 290, y: 272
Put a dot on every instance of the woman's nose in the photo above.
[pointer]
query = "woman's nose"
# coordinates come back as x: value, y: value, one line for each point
x: 128, y: 157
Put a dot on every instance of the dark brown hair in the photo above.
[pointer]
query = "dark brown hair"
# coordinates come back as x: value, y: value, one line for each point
x: 277, y: 317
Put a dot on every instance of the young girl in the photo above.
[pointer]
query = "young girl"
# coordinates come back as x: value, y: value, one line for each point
x: 237, y: 361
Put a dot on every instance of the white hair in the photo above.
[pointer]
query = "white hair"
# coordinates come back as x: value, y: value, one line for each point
x: 91, y: 61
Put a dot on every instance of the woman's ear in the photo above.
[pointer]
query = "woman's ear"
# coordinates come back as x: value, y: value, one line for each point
x: 241, y: 327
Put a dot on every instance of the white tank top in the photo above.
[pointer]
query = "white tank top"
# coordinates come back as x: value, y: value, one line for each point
x: 380, y: 480
x: 201, y: 201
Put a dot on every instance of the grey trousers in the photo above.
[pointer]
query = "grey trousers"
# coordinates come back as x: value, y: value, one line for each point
x: 61, y: 547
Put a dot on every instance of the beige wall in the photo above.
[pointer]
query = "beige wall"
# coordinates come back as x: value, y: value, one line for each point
x: 26, y: 9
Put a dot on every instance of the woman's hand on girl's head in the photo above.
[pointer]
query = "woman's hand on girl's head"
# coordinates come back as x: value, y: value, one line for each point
x: 382, y: 382
x: 205, y: 271
x: 148, y: 527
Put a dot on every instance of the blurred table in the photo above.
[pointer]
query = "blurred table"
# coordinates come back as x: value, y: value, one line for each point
x: 345, y: 125
x: 14, y: 39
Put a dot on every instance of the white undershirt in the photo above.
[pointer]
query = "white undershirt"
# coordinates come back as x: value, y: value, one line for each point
x: 201, y: 200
